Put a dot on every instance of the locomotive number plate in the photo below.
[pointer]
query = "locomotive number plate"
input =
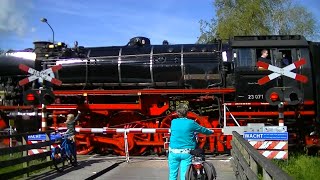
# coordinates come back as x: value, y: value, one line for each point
x: 255, y: 96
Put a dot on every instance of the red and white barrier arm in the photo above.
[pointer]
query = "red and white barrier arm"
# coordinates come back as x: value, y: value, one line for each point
x: 119, y: 130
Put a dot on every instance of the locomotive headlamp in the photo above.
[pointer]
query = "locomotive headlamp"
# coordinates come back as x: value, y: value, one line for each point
x: 274, y: 96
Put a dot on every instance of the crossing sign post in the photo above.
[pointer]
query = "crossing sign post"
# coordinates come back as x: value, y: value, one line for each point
x: 47, y: 97
x: 286, y: 71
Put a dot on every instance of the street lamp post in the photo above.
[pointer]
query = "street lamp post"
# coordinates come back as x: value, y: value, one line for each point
x: 46, y: 21
x: 43, y: 88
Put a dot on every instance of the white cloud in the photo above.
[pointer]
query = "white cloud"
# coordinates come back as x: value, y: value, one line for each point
x: 12, y: 16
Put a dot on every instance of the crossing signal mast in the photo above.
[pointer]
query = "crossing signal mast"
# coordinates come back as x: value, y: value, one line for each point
x: 42, y: 96
x: 280, y: 95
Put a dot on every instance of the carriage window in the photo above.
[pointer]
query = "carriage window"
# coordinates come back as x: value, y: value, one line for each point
x: 245, y: 58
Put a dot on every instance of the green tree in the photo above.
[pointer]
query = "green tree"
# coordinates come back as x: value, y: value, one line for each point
x: 257, y: 17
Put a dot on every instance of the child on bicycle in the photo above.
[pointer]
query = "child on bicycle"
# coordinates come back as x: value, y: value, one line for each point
x: 71, y: 120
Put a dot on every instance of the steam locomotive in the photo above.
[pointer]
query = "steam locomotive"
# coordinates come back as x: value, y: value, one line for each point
x: 139, y: 85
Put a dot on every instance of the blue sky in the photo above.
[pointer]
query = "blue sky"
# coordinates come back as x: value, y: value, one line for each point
x: 105, y: 22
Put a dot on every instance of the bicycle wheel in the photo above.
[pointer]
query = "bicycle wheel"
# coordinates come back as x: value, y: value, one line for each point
x: 209, y: 170
x: 58, y: 159
x: 189, y: 173
x: 72, y: 159
x: 214, y: 172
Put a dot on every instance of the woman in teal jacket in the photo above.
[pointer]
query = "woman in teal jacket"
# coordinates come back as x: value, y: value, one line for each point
x: 182, y: 140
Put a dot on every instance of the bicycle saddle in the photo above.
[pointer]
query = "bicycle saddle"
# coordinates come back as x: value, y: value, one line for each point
x: 197, y: 152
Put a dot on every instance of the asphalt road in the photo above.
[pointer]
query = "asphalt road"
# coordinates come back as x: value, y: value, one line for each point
x: 139, y: 168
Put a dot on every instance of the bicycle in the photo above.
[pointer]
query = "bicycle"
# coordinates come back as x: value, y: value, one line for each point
x: 66, y: 152
x: 199, y: 168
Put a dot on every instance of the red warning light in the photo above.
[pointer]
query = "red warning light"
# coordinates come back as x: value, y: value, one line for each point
x: 30, y: 97
x: 274, y: 96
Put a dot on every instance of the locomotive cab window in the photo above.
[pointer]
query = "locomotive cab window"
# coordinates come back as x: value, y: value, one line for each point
x: 245, y: 58
x: 286, y: 58
x: 264, y: 54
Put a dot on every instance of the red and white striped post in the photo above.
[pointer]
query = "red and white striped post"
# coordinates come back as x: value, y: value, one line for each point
x: 43, y: 117
x: 126, y: 146
x: 281, y: 114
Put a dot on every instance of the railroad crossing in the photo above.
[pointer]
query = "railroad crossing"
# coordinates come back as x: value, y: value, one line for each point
x: 243, y: 163
x: 104, y: 167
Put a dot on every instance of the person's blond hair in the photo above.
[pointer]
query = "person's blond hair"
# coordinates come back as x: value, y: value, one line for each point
x: 70, y: 117
x: 182, y: 110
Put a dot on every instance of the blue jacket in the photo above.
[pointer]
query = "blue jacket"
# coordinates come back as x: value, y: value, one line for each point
x: 182, y: 133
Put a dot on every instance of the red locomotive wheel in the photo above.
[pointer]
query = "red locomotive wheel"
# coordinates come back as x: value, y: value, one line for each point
x: 134, y: 119
x: 166, y: 123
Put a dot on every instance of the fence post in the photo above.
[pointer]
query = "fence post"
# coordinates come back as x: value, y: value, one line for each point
x: 253, y: 165
x: 266, y: 175
x: 11, y: 124
x: 24, y: 154
x: 126, y: 145
x: 48, y: 148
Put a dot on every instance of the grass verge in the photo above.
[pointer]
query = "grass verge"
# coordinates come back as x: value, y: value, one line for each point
x: 19, y: 166
x: 301, y: 167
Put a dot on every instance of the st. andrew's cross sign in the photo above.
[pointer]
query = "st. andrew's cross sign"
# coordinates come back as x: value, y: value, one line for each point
x: 286, y: 71
x: 44, y: 74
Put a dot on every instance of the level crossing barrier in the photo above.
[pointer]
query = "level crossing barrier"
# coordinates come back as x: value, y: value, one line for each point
x: 125, y: 132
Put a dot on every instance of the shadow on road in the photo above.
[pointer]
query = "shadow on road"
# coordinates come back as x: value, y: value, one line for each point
x: 53, y: 173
